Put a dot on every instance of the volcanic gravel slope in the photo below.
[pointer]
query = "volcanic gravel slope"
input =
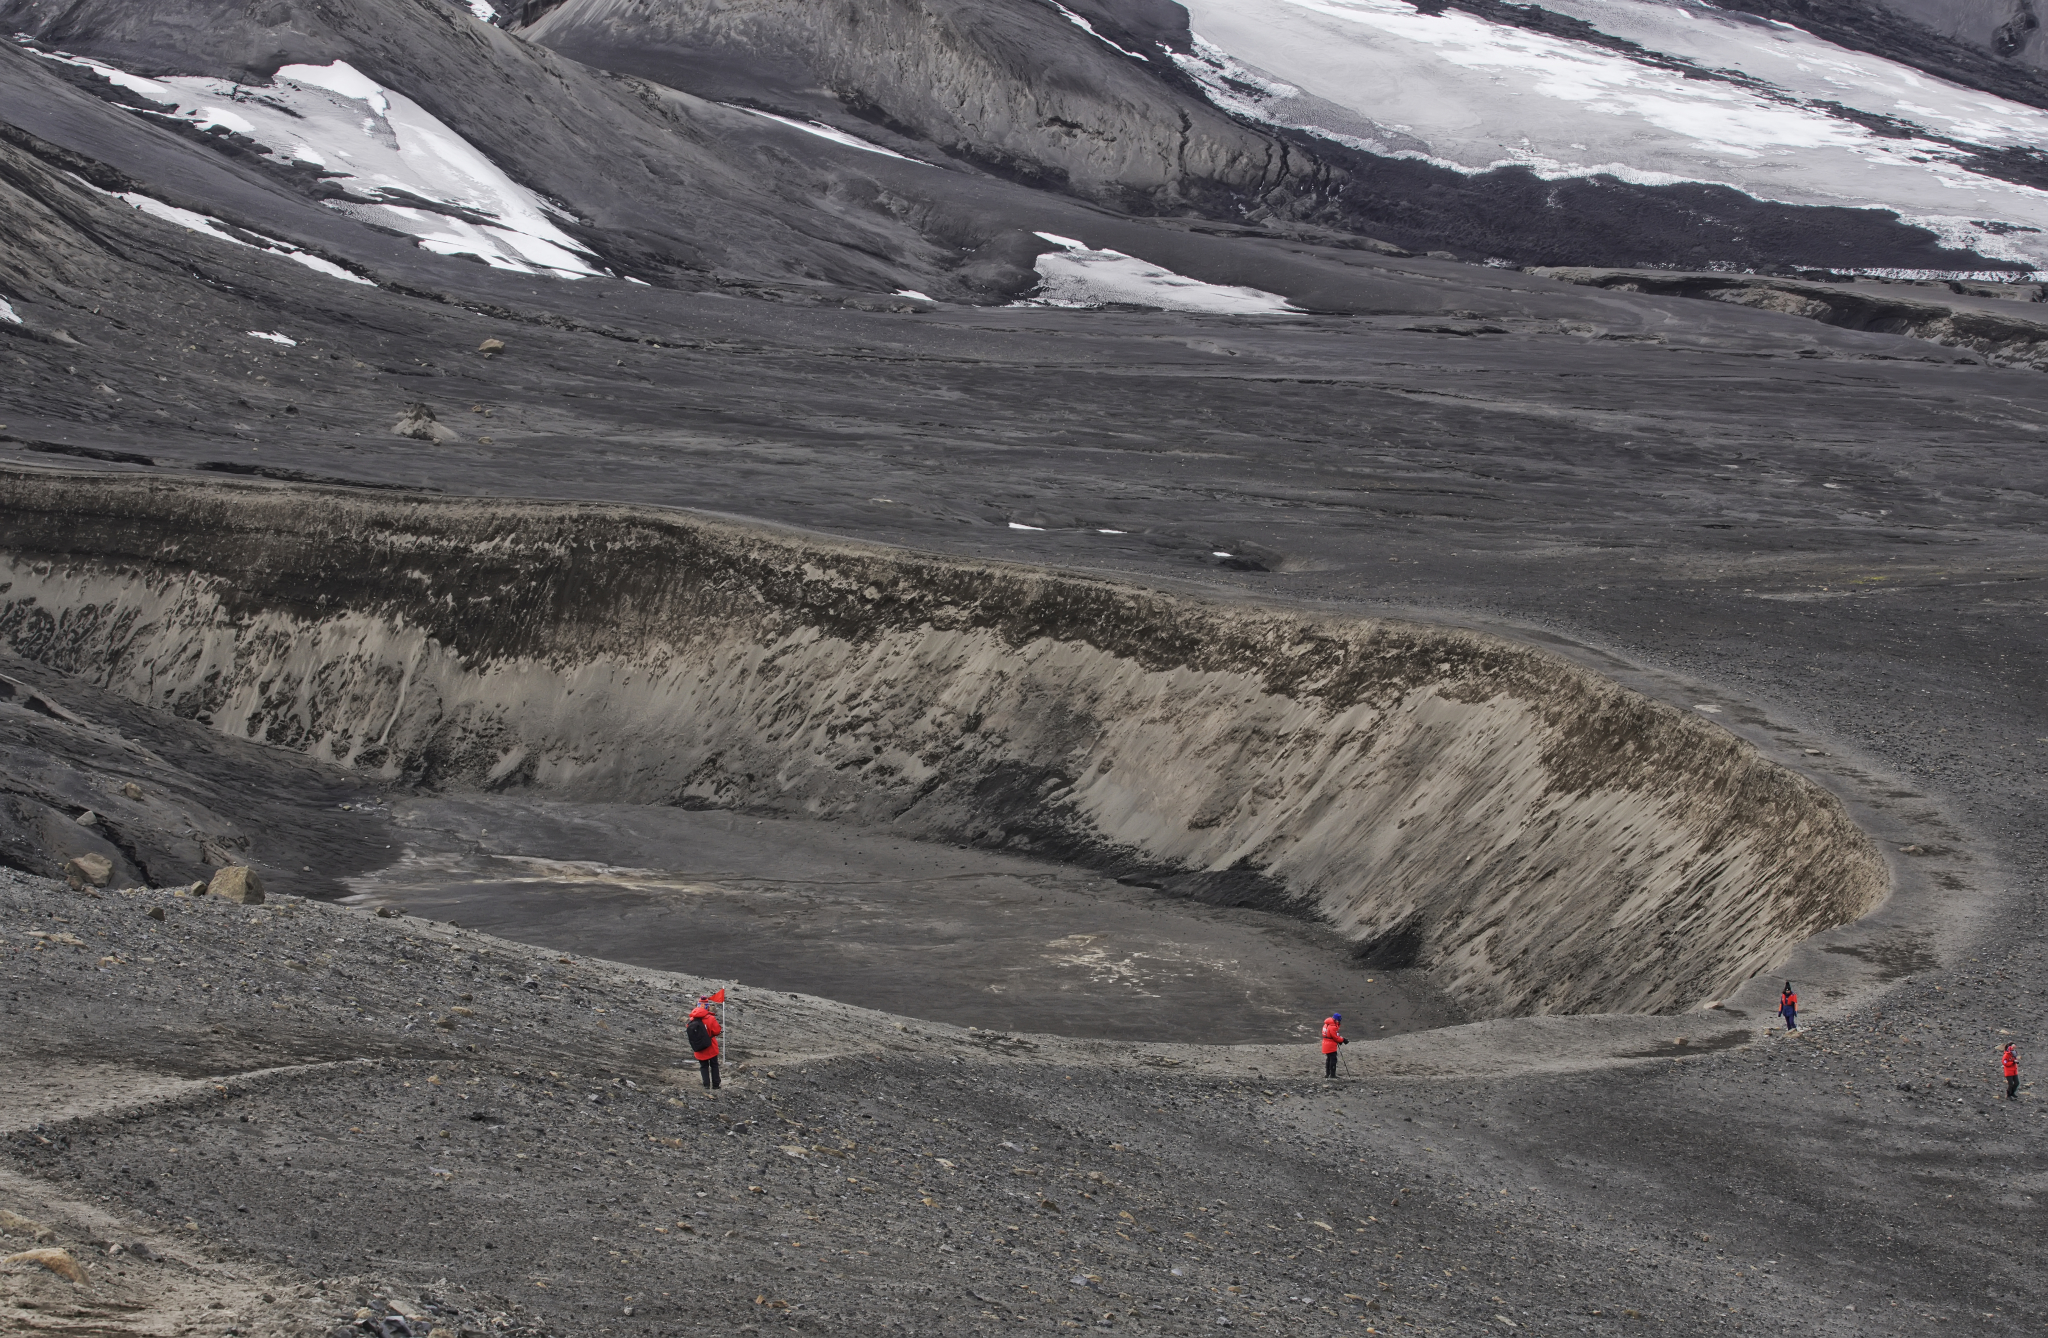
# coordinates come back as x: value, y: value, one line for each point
x: 351, y: 1111
x: 1833, y: 537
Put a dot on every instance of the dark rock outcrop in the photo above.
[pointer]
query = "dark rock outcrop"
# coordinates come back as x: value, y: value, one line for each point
x: 1017, y: 89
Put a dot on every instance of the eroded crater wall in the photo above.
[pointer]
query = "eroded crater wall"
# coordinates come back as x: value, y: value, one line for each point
x: 1540, y: 838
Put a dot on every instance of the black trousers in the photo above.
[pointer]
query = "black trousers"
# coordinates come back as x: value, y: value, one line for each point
x: 2012, y: 1086
x: 708, y: 1068
x: 1330, y: 1064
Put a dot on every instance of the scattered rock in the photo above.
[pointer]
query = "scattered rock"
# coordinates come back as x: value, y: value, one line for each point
x: 491, y: 348
x: 239, y: 883
x: 419, y: 423
x: 131, y: 790
x: 88, y: 870
x: 88, y: 819
x: 57, y: 1261
x: 155, y: 913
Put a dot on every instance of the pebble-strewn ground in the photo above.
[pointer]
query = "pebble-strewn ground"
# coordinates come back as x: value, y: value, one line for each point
x: 344, y: 1113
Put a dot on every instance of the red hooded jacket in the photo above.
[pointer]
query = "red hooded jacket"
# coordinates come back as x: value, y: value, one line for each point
x: 2011, y: 1058
x: 710, y: 1025
x: 1332, y: 1036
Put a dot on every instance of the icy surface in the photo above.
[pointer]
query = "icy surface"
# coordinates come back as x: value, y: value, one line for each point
x: 402, y: 167
x: 213, y: 227
x: 1464, y: 93
x: 825, y: 132
x: 1079, y: 276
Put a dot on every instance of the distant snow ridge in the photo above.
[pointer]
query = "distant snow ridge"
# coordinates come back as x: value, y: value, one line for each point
x: 1655, y: 93
x: 1077, y: 275
x: 402, y: 167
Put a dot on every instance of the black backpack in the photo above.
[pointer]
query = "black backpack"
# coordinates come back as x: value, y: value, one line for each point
x: 699, y: 1034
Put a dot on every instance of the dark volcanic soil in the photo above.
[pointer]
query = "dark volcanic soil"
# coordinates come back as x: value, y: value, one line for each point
x: 503, y: 1131
x: 952, y: 934
x: 1834, y: 538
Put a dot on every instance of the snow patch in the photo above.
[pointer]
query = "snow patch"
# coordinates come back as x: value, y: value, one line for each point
x: 273, y: 337
x: 134, y: 83
x: 7, y: 312
x: 339, y: 77
x: 484, y: 13
x: 214, y: 228
x: 322, y: 265
x: 1089, y: 28
x: 837, y: 136
x: 403, y: 167
x: 912, y: 292
x: 1078, y: 276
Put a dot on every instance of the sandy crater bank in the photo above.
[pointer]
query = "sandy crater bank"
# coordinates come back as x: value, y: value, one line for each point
x: 1539, y: 838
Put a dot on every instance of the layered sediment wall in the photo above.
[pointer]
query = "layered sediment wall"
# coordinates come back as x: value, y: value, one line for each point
x: 1538, y: 837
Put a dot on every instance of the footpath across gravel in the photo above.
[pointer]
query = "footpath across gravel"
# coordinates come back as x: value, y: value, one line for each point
x: 302, y: 1119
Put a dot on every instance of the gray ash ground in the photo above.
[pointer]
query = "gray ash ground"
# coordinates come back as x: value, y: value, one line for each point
x: 356, y: 1109
x: 949, y: 933
x: 1837, y: 533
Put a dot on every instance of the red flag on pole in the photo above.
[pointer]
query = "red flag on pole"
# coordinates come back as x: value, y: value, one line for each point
x: 712, y: 998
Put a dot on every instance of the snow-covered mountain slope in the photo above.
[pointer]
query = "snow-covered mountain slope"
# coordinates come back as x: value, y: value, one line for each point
x: 1648, y: 92
x: 785, y: 148
x: 471, y: 141
x: 386, y: 159
x: 1994, y: 45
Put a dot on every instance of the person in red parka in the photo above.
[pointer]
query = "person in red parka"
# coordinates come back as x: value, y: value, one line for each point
x: 1333, y: 1036
x: 2009, y: 1062
x: 703, y: 1031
